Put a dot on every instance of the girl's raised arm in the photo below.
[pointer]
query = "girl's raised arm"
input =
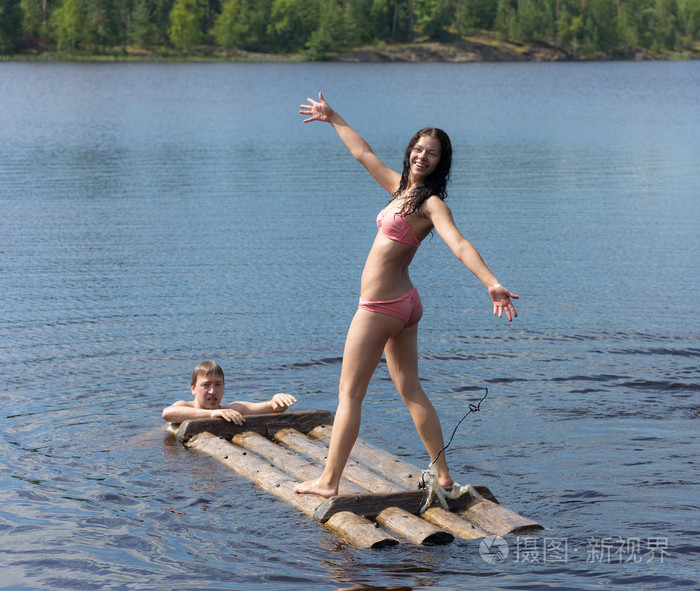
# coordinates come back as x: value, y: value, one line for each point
x: 321, y: 111
x: 441, y: 217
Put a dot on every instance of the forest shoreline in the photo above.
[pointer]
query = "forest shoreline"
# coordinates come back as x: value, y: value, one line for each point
x: 474, y: 49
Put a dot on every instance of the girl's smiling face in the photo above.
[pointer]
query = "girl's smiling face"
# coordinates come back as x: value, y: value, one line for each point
x: 425, y: 156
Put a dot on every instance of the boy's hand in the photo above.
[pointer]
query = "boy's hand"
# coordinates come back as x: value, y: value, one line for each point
x: 282, y: 401
x: 233, y: 416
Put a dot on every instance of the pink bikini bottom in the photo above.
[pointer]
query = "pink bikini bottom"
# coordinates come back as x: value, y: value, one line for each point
x: 407, y: 308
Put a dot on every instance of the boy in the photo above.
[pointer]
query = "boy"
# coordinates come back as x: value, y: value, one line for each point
x: 208, y: 390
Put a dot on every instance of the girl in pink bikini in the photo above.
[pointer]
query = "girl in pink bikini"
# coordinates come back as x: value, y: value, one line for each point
x: 387, y: 317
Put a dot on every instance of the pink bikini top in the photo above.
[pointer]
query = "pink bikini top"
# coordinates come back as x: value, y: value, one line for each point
x: 395, y: 227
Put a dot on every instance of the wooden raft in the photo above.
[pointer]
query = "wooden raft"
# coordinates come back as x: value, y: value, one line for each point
x: 379, y: 499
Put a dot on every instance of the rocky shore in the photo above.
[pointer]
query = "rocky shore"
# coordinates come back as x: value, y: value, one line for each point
x: 479, y: 50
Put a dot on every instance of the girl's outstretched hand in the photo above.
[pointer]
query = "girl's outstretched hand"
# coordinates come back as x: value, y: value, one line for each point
x: 501, y: 302
x: 316, y: 110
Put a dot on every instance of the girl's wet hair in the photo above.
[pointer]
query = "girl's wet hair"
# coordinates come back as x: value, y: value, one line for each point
x: 436, y: 183
x: 207, y: 368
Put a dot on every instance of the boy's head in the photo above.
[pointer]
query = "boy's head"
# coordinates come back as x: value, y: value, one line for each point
x: 208, y: 385
x: 207, y: 368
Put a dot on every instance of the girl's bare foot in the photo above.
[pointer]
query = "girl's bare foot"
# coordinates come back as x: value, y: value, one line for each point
x: 445, y: 481
x: 315, y: 487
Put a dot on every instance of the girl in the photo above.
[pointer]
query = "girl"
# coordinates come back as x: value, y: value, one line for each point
x: 390, y: 307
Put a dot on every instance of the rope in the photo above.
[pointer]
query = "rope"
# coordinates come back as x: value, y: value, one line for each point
x: 429, y: 477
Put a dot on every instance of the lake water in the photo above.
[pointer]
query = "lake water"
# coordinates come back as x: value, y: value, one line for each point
x: 155, y: 215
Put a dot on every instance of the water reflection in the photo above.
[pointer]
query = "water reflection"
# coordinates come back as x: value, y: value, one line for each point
x: 402, y: 567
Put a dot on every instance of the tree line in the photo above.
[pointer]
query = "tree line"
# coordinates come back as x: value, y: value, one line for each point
x: 316, y: 28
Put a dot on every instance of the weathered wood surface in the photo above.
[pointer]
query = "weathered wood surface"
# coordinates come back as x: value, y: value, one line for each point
x: 371, y: 504
x: 407, y: 525
x: 452, y: 522
x: 358, y: 530
x: 374, y: 484
x: 413, y: 528
x: 265, y: 424
x: 354, y: 471
x: 291, y: 463
x: 498, y: 520
x: 404, y: 474
x: 486, y: 515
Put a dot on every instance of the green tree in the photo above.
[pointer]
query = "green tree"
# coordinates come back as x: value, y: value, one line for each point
x: 150, y: 22
x: 601, y: 25
x: 664, y: 26
x: 185, y: 24
x: 505, y: 15
x: 432, y: 18
x: 335, y: 31
x: 231, y: 28
x: 480, y: 14
x: 143, y: 31
x: 381, y: 16
x: 32, y: 17
x: 70, y: 24
x: 291, y: 23
x: 107, y: 22
x: 10, y: 25
x: 358, y: 13
x: 626, y: 31
x: 689, y: 19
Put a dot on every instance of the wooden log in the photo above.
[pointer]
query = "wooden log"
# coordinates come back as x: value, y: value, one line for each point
x: 355, y: 528
x: 291, y: 463
x: 393, y: 511
x: 413, y: 528
x: 485, y: 515
x: 498, y: 520
x: 371, y: 504
x: 401, y: 473
x: 454, y: 523
x: 408, y: 525
x: 354, y: 472
x: 265, y: 424
x: 358, y: 530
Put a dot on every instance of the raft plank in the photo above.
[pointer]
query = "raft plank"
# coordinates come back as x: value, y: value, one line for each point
x: 354, y: 471
x: 358, y: 530
x: 473, y: 517
x: 401, y: 522
x: 454, y: 523
x: 392, y: 468
x: 265, y: 424
x: 498, y: 520
x: 413, y: 528
x: 371, y: 504
x: 485, y: 515
x: 291, y: 463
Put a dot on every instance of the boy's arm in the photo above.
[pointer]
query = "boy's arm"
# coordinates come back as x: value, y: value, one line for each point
x: 184, y: 411
x: 278, y: 403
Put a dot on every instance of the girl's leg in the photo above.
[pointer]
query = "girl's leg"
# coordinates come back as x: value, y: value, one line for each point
x: 364, y: 344
x: 402, y: 360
